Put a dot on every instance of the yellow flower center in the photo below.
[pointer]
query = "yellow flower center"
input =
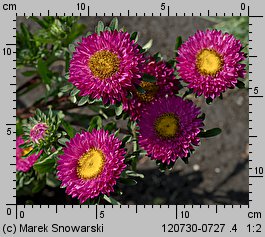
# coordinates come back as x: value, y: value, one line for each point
x: 209, y: 62
x: 151, y: 90
x: 26, y: 151
x: 90, y: 164
x: 104, y: 64
x: 167, y: 125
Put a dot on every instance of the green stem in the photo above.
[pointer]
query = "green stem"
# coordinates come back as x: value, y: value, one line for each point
x: 135, y: 148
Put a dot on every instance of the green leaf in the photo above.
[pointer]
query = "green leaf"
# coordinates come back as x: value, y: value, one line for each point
x: 67, y: 60
x: 73, y: 99
x: 123, y: 29
x: 109, y: 112
x: 63, y: 141
x: 148, y: 45
x: 126, y: 139
x: 187, y: 92
x: 50, y: 113
x: 99, y: 27
x: 52, y: 181
x: 76, y: 30
x: 26, y: 35
x: 95, y: 123
x: 202, y: 116
x: 140, y: 89
x: 42, y: 23
x: 163, y: 166
x: 83, y: 100
x: 117, y: 132
x: 209, y: 100
x: 29, y: 73
x: 172, y: 63
x: 134, y: 154
x: 149, y: 78
x: 185, y: 160
x: 127, y: 181
x: 134, y: 36
x: 118, y: 110
x: 74, y: 92
x: 111, y: 200
x: 43, y: 71
x: 45, y: 165
x: 39, y: 185
x: 25, y: 145
x: 67, y: 88
x: 158, y: 56
x: 114, y: 25
x: 240, y: 84
x: 110, y: 126
x: 210, y: 133
x: 131, y: 125
x: 88, y: 34
x: 132, y: 173
x: 68, y: 128
x: 178, y: 44
x: 38, y: 112
x: 71, y: 48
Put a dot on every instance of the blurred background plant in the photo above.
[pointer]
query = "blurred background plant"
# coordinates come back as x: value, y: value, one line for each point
x: 40, y: 52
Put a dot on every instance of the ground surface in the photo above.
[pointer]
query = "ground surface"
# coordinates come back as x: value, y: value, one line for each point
x: 218, y: 171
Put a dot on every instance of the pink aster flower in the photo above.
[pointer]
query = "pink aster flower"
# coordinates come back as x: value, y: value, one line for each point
x: 24, y: 164
x: 38, y: 132
x: 106, y: 66
x: 91, y: 164
x: 210, y: 62
x: 169, y: 129
x: 166, y: 84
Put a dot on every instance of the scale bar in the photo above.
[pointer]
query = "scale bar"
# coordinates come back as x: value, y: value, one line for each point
x: 256, y: 96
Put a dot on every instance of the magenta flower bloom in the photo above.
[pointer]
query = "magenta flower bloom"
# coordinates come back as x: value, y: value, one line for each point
x: 37, y: 132
x: 106, y: 66
x: 91, y: 164
x: 166, y: 84
x: 169, y: 129
x: 210, y: 62
x: 24, y: 164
